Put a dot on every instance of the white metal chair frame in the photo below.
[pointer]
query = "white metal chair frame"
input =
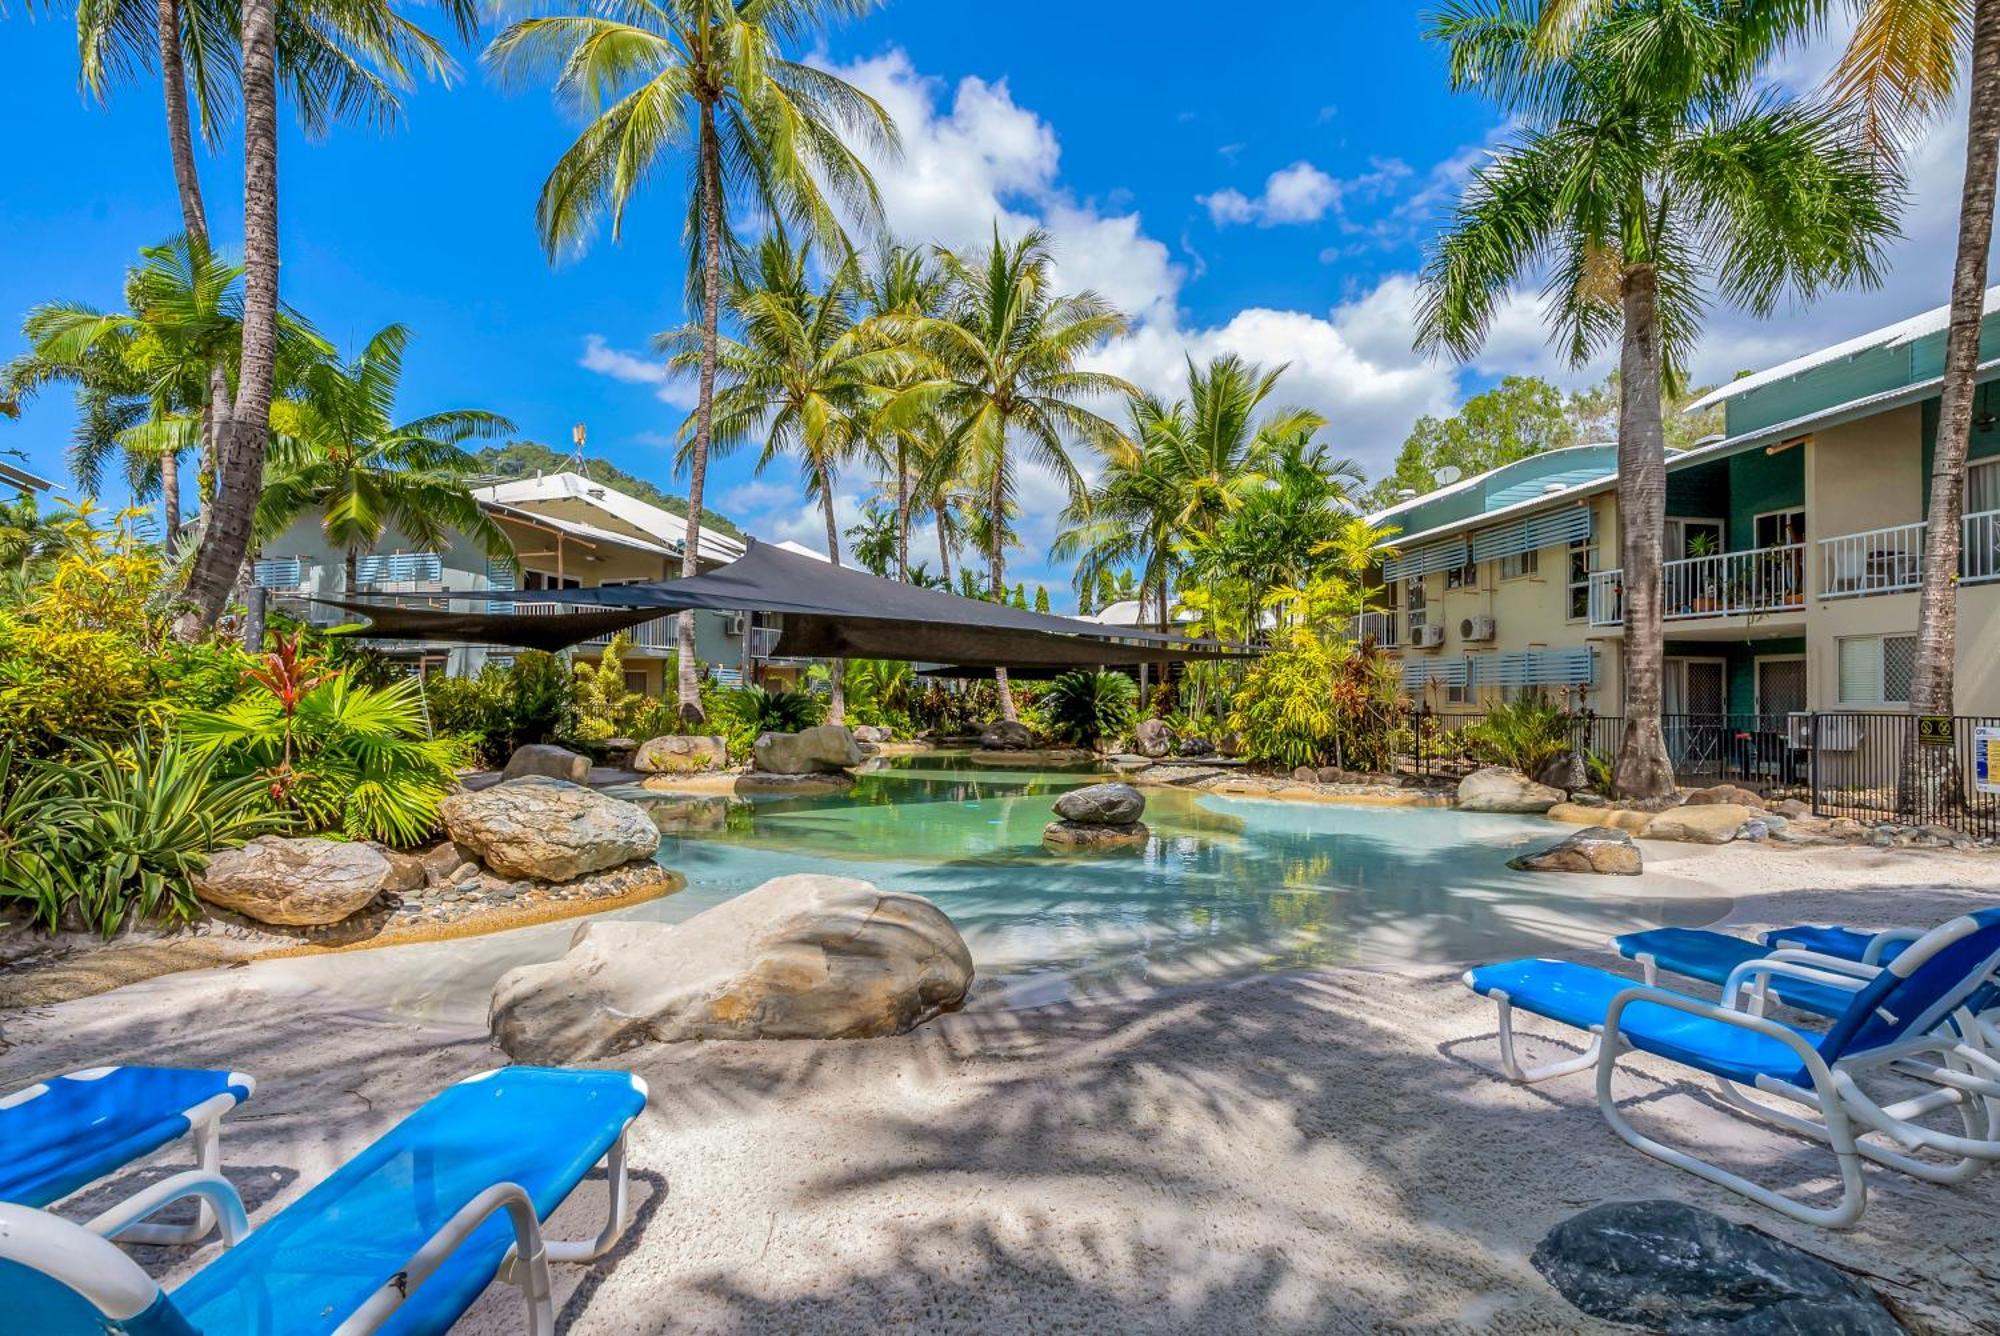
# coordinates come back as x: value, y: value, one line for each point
x: 1963, y: 1053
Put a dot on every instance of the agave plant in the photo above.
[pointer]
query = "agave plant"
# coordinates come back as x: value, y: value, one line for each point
x: 1085, y: 707
x: 108, y: 835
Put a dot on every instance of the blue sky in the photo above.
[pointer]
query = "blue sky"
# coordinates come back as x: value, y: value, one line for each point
x: 1232, y: 192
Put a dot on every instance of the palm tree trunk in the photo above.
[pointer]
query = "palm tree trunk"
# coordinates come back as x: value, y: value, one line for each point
x: 353, y: 572
x: 836, y: 668
x: 1643, y: 769
x: 240, y: 471
x: 180, y: 134
x: 1937, y: 619
x: 170, y: 500
x: 902, y: 509
x: 944, y: 547
x: 689, y: 681
x: 997, y: 559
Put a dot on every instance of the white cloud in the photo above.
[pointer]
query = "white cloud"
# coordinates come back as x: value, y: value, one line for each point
x: 1302, y: 193
x: 634, y: 369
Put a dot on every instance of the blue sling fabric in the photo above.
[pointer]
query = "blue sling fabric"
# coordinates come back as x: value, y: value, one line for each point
x: 82, y: 1127
x: 319, y: 1258
x: 1711, y: 956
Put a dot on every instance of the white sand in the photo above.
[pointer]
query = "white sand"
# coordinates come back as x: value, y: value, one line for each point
x: 1323, y: 1152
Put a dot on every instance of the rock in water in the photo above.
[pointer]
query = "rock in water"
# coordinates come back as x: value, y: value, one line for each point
x: 1064, y: 837
x: 1152, y: 739
x: 1006, y: 735
x: 1497, y: 789
x: 680, y: 755
x: 825, y: 750
x: 547, y: 760
x: 295, y: 882
x: 548, y: 829
x: 1598, y: 849
x: 800, y: 957
x: 1667, y: 1266
x: 875, y: 733
x: 1709, y: 823
x: 1102, y: 804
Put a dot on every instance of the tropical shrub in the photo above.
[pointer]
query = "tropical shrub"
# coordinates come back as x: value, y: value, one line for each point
x: 538, y: 700
x: 944, y: 710
x: 741, y: 714
x: 879, y: 691
x: 104, y: 836
x: 334, y: 755
x: 1525, y: 734
x: 1085, y: 707
x: 605, y: 708
x: 1316, y: 700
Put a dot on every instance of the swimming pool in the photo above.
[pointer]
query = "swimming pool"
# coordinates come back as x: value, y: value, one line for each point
x: 1226, y: 887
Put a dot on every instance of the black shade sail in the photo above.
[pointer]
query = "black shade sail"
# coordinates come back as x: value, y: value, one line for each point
x: 829, y: 612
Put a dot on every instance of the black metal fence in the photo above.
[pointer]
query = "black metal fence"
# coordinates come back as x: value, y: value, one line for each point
x: 1914, y: 770
x: 1871, y: 767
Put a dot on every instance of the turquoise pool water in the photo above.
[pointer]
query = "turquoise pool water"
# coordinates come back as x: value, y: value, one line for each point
x: 1224, y: 887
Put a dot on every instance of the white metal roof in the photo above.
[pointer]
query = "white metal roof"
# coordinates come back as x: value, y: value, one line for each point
x: 1903, y: 331
x: 22, y: 479
x: 800, y: 550
x: 664, y: 525
x: 579, y: 529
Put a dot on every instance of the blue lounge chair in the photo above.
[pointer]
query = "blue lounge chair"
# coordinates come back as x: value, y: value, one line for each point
x: 1896, y: 1014
x: 65, y: 1133
x: 401, y: 1238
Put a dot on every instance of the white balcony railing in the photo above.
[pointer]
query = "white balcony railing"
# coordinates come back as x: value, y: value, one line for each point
x: 1891, y: 560
x: 1760, y: 580
x: 1378, y: 626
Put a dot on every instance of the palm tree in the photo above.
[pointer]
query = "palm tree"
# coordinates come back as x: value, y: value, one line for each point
x: 802, y: 375
x: 335, y: 59
x: 1646, y: 166
x: 1005, y: 373
x: 902, y: 282
x: 1901, y: 68
x: 142, y: 376
x: 670, y: 75
x: 1129, y: 514
x: 337, y: 449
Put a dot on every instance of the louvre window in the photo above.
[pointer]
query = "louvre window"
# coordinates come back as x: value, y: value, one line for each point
x: 1877, y: 670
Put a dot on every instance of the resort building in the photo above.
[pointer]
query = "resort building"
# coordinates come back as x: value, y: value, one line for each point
x: 568, y: 532
x: 1794, y: 552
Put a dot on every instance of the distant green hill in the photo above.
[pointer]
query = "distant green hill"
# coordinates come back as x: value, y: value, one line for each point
x: 524, y: 459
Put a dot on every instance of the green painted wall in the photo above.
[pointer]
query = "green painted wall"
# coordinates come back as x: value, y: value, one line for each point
x: 1985, y: 443
x: 1759, y: 482
x: 1740, y: 658
x: 1871, y: 371
x: 1701, y: 492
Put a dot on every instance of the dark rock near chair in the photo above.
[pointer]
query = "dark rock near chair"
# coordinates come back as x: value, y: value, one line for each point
x: 1667, y: 1266
x: 1598, y: 849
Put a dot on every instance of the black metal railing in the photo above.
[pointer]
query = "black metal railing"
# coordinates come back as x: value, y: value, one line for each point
x: 1909, y: 769
x: 1767, y: 750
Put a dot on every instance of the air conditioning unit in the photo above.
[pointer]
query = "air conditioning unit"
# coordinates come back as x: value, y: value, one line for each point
x: 739, y: 624
x: 1473, y: 630
x: 1427, y: 637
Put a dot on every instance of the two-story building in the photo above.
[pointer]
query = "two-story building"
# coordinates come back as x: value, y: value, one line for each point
x: 1794, y: 551
x: 568, y: 532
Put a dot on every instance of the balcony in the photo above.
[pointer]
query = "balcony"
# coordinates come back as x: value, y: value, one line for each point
x: 1378, y: 626
x: 1891, y: 560
x: 1759, y: 582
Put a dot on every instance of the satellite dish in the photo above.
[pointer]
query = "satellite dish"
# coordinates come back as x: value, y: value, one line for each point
x: 1448, y: 475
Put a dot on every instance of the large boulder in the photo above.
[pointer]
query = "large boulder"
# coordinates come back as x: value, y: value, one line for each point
x: 824, y: 750
x: 1708, y: 823
x: 1006, y: 735
x: 406, y: 871
x: 800, y: 957
x: 1497, y: 789
x: 1598, y: 849
x: 1724, y: 793
x: 875, y: 733
x: 1618, y: 818
x: 680, y: 755
x: 1102, y: 805
x: 1152, y: 739
x: 296, y: 883
x: 1566, y: 772
x: 1064, y: 837
x: 548, y: 829
x: 547, y: 760
x: 1667, y: 1266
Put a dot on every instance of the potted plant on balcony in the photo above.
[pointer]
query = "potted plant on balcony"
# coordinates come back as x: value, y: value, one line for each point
x: 1700, y: 545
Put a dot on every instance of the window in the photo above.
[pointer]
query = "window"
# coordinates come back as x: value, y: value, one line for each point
x: 1691, y: 538
x: 1877, y: 670
x: 1414, y: 600
x: 635, y: 681
x: 1582, y: 557
x: 1520, y: 564
x: 1982, y: 487
x: 1462, y: 577
x: 1780, y: 528
x: 537, y: 580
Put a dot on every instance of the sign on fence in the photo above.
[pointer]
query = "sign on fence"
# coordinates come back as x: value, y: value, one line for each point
x: 1934, y: 730
x: 1986, y: 760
